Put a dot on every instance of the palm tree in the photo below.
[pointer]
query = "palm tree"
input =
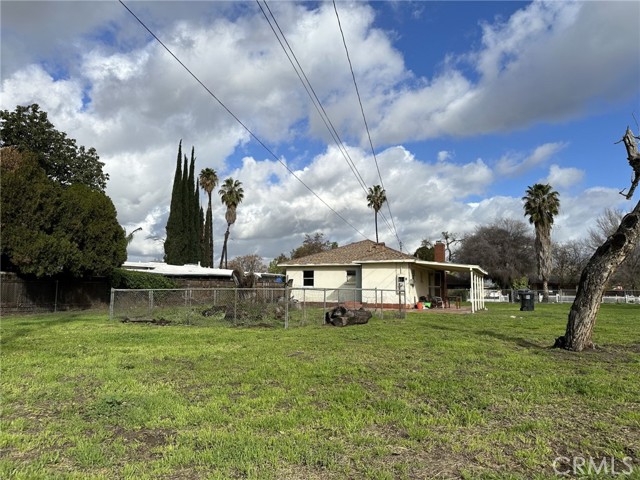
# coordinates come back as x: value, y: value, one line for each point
x: 376, y: 198
x: 129, y: 236
x: 231, y: 194
x: 208, y: 180
x: 541, y: 205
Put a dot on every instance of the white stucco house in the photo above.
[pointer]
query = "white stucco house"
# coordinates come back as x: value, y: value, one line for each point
x: 365, y: 266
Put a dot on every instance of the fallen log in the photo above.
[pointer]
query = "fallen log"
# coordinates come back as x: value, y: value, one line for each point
x: 342, y: 317
x: 154, y: 321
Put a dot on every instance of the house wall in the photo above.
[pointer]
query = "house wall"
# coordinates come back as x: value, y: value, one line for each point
x: 384, y: 276
x: 325, y: 276
x: 381, y: 276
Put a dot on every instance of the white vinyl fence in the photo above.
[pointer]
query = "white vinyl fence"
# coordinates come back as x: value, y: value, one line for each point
x: 562, y: 296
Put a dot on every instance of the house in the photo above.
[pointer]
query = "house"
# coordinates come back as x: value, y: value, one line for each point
x: 366, y: 265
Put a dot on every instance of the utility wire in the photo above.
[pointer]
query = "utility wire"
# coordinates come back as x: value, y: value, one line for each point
x: 395, y: 231
x: 306, y: 83
x: 312, y: 93
x: 238, y: 120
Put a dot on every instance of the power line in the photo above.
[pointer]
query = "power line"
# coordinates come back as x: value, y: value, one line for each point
x: 364, y: 118
x: 312, y: 94
x: 238, y: 120
x: 315, y: 100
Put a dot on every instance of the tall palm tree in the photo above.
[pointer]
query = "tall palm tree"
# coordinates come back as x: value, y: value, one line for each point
x: 129, y: 236
x: 541, y: 205
x: 231, y: 194
x: 208, y: 180
x: 376, y: 198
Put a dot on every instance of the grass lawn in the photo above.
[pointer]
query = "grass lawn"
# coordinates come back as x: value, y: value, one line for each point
x: 429, y: 396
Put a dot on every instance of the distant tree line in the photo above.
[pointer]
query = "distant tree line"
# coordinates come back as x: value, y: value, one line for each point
x: 506, y: 249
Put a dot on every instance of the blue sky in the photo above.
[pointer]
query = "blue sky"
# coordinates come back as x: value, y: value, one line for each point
x: 468, y: 103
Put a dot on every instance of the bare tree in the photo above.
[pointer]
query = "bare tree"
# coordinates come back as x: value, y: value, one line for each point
x: 450, y: 239
x: 248, y: 263
x: 569, y: 259
x: 628, y: 272
x: 504, y: 248
x: 633, y: 156
x: 602, y: 265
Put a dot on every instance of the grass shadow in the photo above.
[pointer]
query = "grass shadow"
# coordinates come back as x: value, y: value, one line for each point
x: 26, y: 327
x: 520, y: 341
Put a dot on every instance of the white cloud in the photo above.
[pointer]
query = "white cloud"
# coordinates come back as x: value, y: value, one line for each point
x: 514, y: 163
x: 551, y: 61
x: 562, y: 178
x: 59, y: 54
x: 444, y: 155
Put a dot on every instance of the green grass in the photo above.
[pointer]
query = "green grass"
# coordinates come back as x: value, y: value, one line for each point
x: 428, y: 396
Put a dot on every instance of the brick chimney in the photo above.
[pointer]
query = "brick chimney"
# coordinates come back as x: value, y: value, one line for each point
x: 439, y: 252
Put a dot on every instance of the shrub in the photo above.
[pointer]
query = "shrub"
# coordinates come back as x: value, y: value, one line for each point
x: 122, y: 278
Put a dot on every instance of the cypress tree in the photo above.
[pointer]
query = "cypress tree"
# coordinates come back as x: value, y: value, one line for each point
x: 175, y: 226
x: 195, y: 222
x: 186, y: 217
x: 185, y: 205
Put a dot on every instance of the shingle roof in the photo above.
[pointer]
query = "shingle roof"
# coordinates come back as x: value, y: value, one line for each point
x: 364, y: 251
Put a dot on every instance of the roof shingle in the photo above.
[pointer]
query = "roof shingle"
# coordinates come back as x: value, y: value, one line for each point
x: 364, y: 251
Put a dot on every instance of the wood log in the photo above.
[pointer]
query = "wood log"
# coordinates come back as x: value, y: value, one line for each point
x: 342, y: 317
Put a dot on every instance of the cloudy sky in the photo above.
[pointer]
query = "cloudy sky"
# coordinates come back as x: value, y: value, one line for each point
x: 467, y: 104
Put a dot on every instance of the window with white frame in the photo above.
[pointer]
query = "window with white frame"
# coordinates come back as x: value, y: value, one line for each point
x: 307, y: 278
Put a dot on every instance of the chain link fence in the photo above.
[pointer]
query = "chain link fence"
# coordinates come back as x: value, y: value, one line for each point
x: 269, y: 307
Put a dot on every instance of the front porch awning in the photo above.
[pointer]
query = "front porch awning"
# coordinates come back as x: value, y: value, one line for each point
x: 476, y: 272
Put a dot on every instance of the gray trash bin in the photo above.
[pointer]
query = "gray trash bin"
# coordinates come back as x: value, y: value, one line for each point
x: 526, y: 300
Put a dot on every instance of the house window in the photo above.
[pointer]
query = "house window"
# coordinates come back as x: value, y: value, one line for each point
x: 307, y: 278
x: 351, y: 277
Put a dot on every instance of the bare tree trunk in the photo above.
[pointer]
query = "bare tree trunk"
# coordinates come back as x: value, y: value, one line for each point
x: 545, y: 291
x: 223, y: 257
x: 605, y: 260
x: 376, y: 221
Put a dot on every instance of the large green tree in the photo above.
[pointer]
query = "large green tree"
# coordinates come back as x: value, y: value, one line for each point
x: 273, y: 264
x: 208, y: 182
x: 375, y: 199
x: 311, y: 244
x: 231, y: 194
x: 425, y: 251
x: 541, y: 205
x: 28, y: 129
x: 49, y: 229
